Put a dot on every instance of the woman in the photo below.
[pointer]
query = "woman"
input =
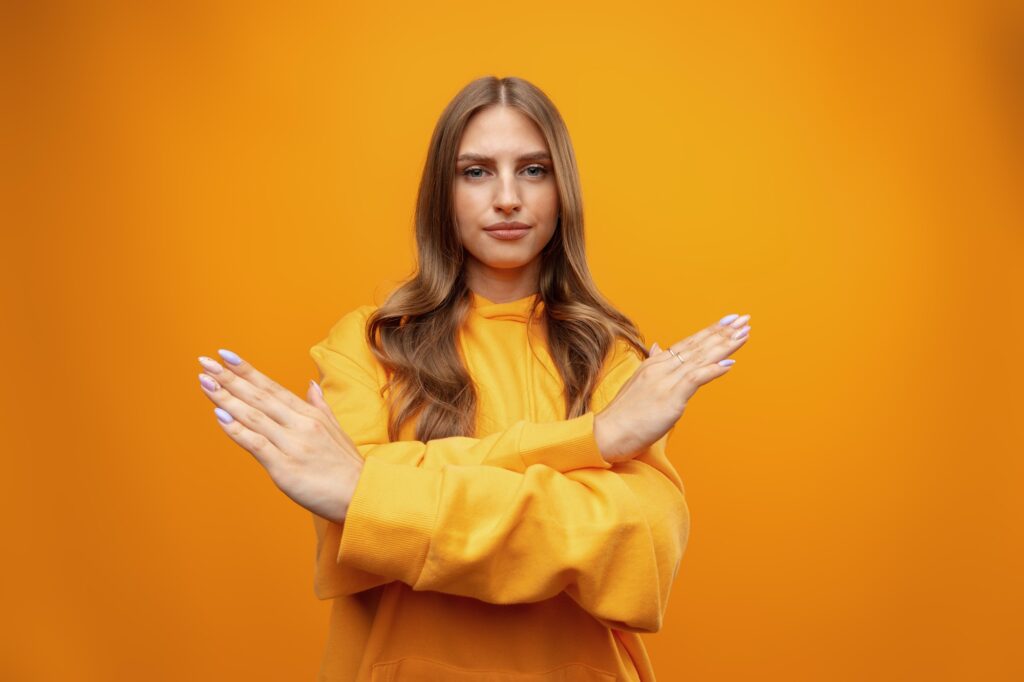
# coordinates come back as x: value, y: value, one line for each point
x: 487, y: 460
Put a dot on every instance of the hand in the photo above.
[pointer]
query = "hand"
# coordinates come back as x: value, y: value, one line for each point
x: 301, y: 445
x: 654, y: 398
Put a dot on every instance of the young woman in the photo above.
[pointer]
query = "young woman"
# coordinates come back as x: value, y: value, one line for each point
x: 486, y: 454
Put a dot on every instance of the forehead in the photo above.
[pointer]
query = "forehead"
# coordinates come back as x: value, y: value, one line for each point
x: 498, y: 130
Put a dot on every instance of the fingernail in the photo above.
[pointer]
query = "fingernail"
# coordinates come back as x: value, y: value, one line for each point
x: 223, y: 416
x: 741, y: 333
x: 728, y: 318
x: 230, y: 357
x: 317, y: 387
x: 741, y: 321
x: 726, y: 363
x: 208, y: 383
x: 210, y: 365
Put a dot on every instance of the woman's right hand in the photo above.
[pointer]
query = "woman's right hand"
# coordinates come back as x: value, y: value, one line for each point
x: 654, y: 398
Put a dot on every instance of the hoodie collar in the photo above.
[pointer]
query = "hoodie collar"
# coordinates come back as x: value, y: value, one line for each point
x: 511, y: 310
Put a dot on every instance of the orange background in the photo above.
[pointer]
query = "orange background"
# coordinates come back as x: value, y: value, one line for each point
x: 189, y: 176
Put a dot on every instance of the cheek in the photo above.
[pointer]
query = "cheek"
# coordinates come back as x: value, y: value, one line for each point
x: 463, y: 211
x: 545, y: 199
x: 467, y: 202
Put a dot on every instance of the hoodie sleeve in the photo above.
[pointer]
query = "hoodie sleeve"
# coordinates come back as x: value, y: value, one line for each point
x: 351, y: 377
x: 611, y: 538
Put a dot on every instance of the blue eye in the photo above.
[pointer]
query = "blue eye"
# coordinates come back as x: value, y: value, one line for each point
x: 542, y: 173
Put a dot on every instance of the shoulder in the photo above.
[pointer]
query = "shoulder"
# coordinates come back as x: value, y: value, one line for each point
x: 351, y: 327
x: 346, y: 341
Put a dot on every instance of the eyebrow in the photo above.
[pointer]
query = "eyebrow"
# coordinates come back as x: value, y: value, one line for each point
x: 529, y: 156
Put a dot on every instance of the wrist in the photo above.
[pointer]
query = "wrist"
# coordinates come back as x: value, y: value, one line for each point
x: 605, y: 436
x: 347, y: 494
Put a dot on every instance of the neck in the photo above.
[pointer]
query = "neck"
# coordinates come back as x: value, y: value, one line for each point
x: 502, y: 285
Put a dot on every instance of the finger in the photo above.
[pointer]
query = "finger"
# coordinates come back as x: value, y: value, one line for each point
x: 316, y: 399
x: 696, y: 377
x: 265, y: 395
x: 721, y: 333
x: 686, y: 360
x: 249, y: 416
x: 265, y: 452
x: 724, y: 328
x: 260, y: 380
x: 697, y: 357
x: 660, y: 356
x: 316, y: 396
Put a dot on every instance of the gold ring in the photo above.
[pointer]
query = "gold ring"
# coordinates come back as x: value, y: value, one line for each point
x: 677, y: 356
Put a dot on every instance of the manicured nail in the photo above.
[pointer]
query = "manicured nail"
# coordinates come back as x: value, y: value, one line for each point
x: 727, y: 319
x: 726, y: 363
x: 230, y: 357
x: 208, y: 383
x: 740, y: 321
x: 317, y: 387
x: 741, y: 333
x: 210, y: 365
x: 223, y: 416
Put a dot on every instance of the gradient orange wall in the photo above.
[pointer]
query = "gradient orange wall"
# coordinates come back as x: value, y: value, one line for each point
x: 188, y: 176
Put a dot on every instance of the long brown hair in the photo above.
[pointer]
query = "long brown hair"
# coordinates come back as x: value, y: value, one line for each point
x: 414, y: 332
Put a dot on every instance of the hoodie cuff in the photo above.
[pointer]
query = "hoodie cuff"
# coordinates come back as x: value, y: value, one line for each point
x: 562, y: 445
x: 390, y: 519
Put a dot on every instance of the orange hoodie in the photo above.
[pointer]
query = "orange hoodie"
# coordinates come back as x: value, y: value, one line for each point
x: 516, y: 555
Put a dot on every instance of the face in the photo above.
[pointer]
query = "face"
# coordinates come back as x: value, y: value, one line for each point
x: 504, y: 174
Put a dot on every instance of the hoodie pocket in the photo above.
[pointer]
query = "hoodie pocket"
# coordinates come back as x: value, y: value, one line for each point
x: 425, y: 670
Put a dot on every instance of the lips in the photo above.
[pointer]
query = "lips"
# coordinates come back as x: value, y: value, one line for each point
x: 507, y: 226
x: 506, y: 234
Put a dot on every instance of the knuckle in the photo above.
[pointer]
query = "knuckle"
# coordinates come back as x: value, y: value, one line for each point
x: 261, y: 444
x: 305, y: 449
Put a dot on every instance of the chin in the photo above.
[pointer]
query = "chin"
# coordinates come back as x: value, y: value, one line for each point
x: 499, y: 264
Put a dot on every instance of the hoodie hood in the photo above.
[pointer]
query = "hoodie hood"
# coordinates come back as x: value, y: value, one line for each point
x: 517, y: 310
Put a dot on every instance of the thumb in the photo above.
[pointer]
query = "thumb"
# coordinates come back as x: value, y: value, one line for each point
x: 316, y: 398
x: 654, y: 348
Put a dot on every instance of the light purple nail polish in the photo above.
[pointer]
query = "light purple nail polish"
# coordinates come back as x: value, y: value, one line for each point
x: 230, y: 357
x: 739, y: 322
x: 317, y: 387
x: 728, y: 318
x: 223, y: 416
x: 727, y: 362
x: 210, y: 365
x: 741, y: 333
x: 208, y: 383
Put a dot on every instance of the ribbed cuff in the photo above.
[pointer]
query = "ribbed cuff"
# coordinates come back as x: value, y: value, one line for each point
x: 562, y: 445
x: 390, y: 520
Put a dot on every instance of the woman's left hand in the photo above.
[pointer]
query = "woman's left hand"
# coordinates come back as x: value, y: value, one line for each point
x: 301, y: 445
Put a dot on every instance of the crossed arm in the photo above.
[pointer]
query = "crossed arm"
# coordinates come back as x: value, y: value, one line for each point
x: 517, y: 516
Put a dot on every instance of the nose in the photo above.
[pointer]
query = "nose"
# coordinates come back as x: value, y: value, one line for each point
x: 507, y: 199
